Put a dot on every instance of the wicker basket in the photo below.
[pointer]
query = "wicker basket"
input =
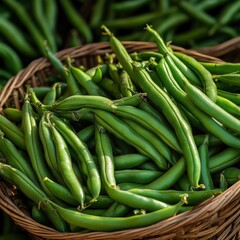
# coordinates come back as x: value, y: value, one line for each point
x: 216, y: 218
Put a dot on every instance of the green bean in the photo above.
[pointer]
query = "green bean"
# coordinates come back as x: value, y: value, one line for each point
x: 231, y: 78
x: 86, y: 82
x: 193, y: 121
x: 128, y: 160
x: 49, y: 148
x: 51, y: 96
x: 41, y: 91
x: 39, y: 216
x: 12, y: 61
x: 127, y: 134
x: 132, y: 100
x: 86, y: 133
x: 55, y: 61
x: 119, y: 223
x: 31, y: 191
x: 108, y: 156
x: 234, y: 97
x: 13, y: 114
x: 100, y: 70
x: 15, y: 159
x: 172, y: 196
x: 232, y: 175
x: 16, y: 38
x: 12, y: 132
x: 72, y: 83
x: 212, y: 140
x: 136, y: 176
x: 43, y: 24
x: 83, y: 155
x: 228, y: 106
x: 77, y: 20
x: 129, y: 185
x: 148, y: 165
x: 110, y: 87
x: 65, y: 166
x: 133, y: 21
x: 145, y: 56
x: 33, y: 144
x: 76, y: 102
x: 97, y: 13
x: 221, y: 67
x: 184, y: 184
x: 60, y: 191
x: 171, y: 112
x: 170, y: 177
x: 226, y: 158
x: 129, y: 6
x: 117, y: 210
x: 120, y: 51
x: 205, y: 76
x: 125, y: 84
x: 51, y: 13
x: 223, y: 183
x: 206, y: 178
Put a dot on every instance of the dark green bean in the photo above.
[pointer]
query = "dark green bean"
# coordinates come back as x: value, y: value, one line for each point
x: 12, y: 132
x: 15, y: 159
x: 172, y: 196
x: 136, y: 176
x: 65, y: 166
x: 13, y: 114
x: 12, y: 61
x: 38, y: 13
x: 205, y: 178
x: 33, y: 144
x: 226, y: 158
x: 130, y: 160
x: 119, y: 223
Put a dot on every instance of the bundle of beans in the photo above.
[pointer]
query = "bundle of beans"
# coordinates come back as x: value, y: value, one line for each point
x: 138, y: 145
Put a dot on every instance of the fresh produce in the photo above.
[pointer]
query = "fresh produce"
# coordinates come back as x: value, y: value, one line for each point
x: 125, y: 143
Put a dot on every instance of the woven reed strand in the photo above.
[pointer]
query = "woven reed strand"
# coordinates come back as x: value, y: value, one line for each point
x: 216, y: 219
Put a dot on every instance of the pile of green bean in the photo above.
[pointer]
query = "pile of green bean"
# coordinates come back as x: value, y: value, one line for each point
x: 25, y: 25
x: 136, y: 139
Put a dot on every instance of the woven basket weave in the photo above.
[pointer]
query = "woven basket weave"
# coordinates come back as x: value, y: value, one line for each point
x: 216, y: 218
